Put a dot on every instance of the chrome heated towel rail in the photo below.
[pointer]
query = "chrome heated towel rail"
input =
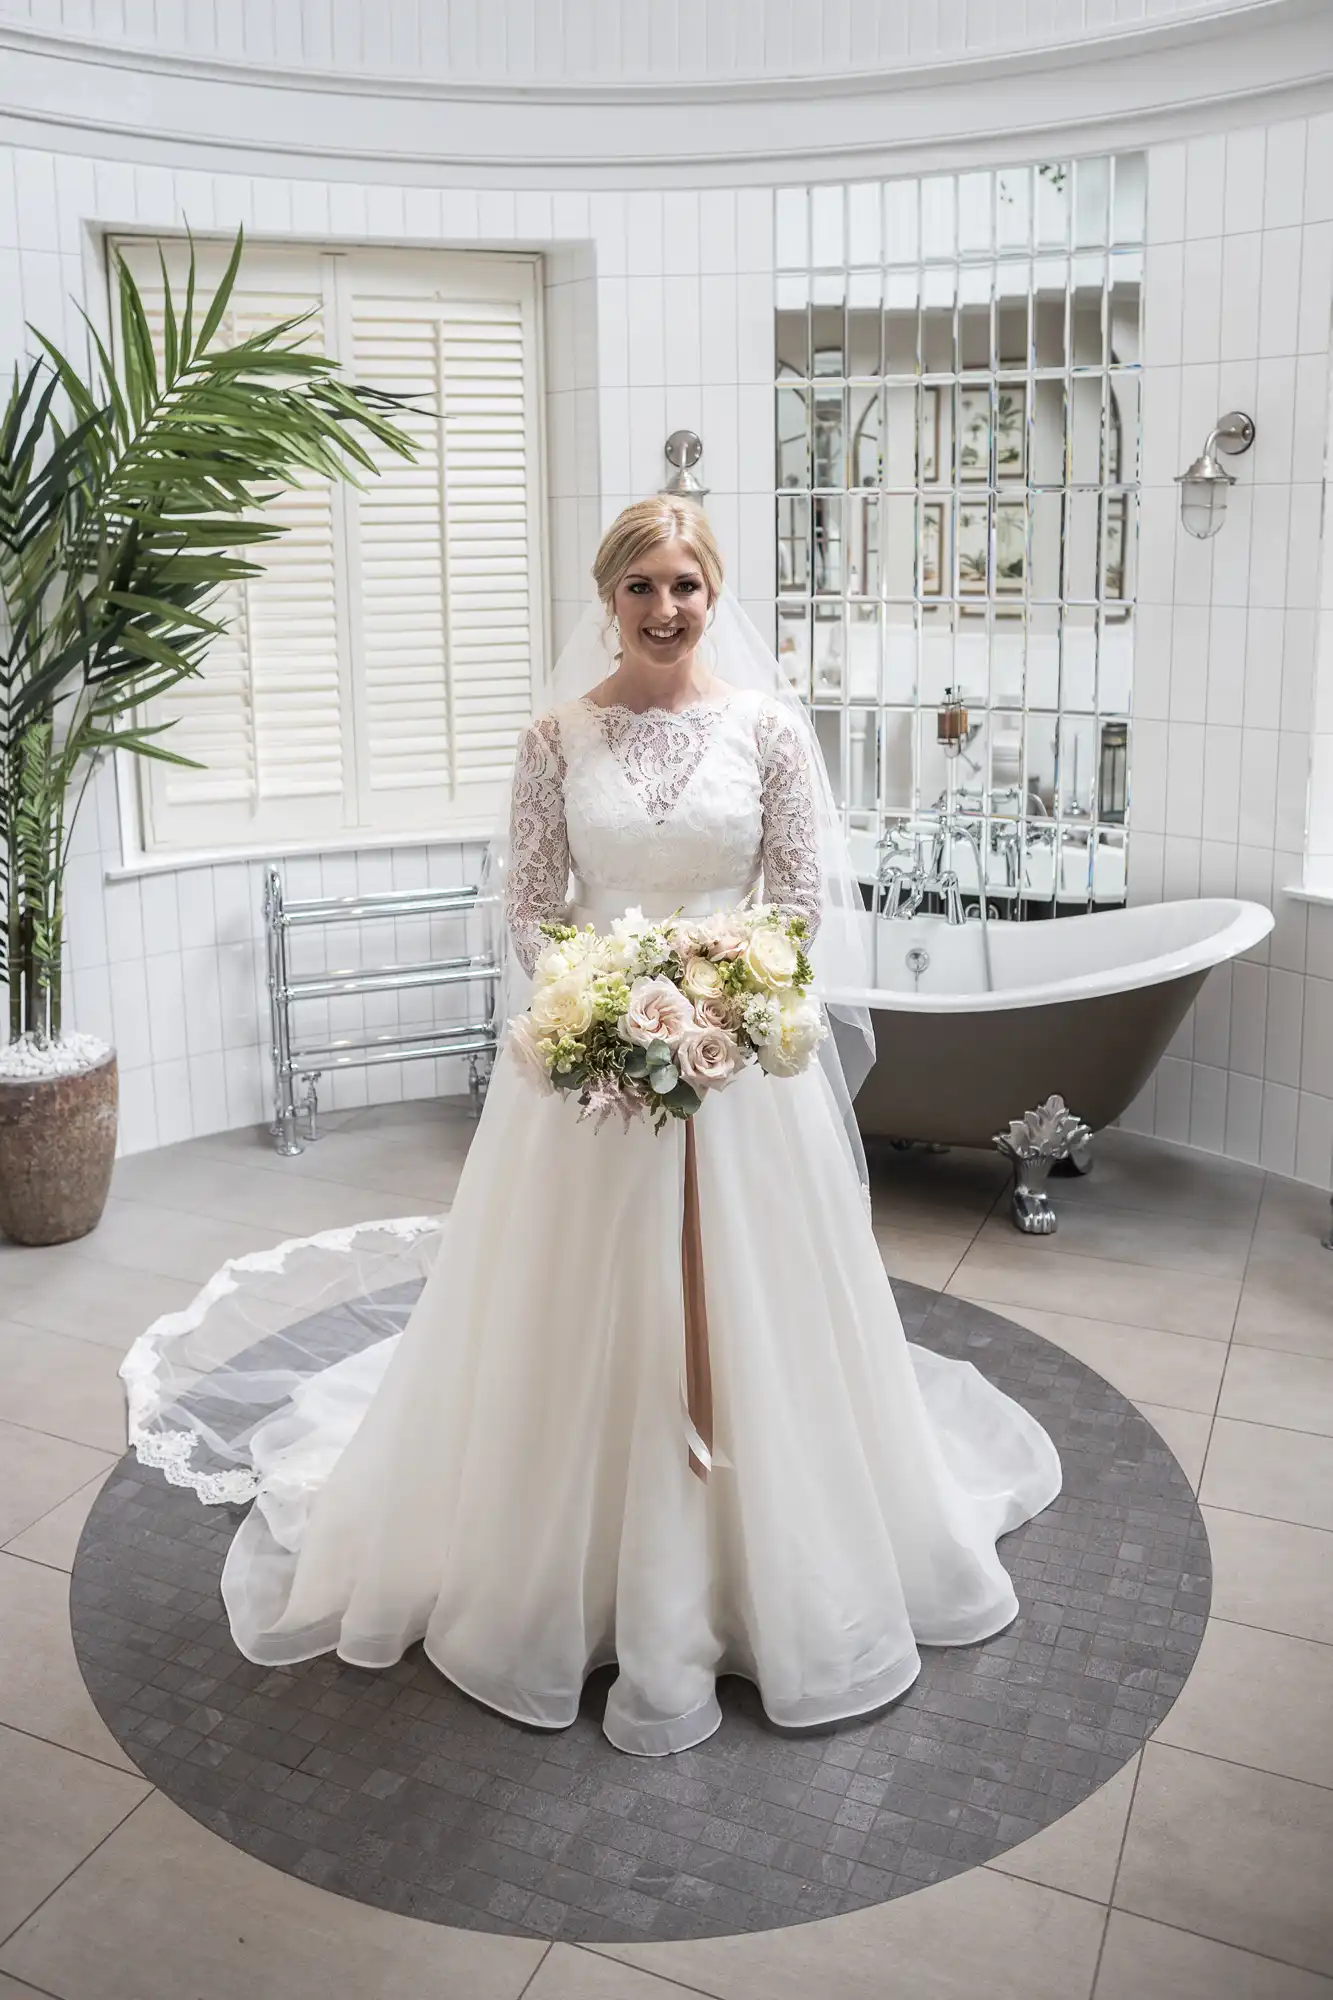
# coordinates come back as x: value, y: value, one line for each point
x: 305, y: 1063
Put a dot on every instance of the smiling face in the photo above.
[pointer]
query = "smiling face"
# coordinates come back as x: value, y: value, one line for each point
x: 662, y: 603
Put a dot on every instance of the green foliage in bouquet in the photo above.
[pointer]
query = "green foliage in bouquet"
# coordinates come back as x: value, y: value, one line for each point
x: 127, y: 494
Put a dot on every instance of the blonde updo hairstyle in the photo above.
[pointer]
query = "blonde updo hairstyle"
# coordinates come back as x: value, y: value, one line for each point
x: 646, y: 525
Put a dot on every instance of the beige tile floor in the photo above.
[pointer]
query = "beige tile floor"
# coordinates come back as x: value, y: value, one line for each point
x: 1196, y: 1285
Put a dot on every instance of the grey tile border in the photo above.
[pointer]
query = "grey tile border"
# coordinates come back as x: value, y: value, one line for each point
x: 395, y: 1789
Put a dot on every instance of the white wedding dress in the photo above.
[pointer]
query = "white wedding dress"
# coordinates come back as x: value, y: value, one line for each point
x: 507, y: 1480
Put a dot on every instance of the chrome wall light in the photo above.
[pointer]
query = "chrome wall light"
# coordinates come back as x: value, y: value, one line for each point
x: 1205, y: 484
x: 684, y: 449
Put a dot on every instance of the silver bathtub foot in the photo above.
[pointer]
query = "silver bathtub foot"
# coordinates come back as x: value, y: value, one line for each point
x: 1078, y: 1160
x: 1034, y: 1144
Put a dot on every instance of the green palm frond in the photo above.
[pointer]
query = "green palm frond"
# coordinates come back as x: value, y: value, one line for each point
x: 129, y: 500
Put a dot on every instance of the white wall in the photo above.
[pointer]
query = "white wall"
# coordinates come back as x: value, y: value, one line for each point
x: 659, y: 309
x: 1238, y: 281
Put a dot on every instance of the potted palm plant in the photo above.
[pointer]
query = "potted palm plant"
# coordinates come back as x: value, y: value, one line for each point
x: 128, y: 499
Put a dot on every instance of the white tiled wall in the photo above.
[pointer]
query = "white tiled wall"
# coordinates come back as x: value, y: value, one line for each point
x: 659, y: 316
x: 499, y: 39
x: 1239, y: 274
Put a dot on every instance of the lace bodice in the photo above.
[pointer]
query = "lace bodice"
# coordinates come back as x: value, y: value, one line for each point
x: 660, y: 807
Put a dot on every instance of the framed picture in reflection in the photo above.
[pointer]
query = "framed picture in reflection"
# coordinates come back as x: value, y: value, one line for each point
x: 1010, y: 422
x: 974, y: 556
x: 932, y: 548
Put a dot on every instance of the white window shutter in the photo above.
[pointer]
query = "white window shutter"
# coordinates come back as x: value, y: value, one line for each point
x: 446, y: 562
x: 266, y: 717
x: 375, y: 678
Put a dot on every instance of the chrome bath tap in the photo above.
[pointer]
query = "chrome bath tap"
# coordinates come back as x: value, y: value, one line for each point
x: 900, y: 891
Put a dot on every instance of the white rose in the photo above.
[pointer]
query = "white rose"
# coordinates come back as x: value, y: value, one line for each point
x: 770, y: 959
x: 702, y: 980
x: 708, y: 1057
x: 561, y: 957
x: 658, y: 1012
x: 562, y: 1008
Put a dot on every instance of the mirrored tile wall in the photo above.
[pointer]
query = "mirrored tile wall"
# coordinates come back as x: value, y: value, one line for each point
x: 958, y: 420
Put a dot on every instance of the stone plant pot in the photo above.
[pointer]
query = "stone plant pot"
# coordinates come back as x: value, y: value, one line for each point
x: 57, y: 1148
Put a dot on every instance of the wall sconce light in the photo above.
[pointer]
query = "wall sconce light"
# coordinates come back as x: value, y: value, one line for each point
x: 1205, y: 484
x: 684, y: 449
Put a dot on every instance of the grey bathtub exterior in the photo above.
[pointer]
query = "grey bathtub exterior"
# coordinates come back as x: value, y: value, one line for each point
x: 956, y: 1079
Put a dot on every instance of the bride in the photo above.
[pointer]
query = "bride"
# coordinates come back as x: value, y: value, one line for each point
x: 508, y: 1480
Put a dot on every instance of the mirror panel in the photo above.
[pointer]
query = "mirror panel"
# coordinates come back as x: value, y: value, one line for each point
x: 958, y: 428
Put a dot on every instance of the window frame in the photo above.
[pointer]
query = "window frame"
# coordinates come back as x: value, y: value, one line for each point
x: 469, y: 820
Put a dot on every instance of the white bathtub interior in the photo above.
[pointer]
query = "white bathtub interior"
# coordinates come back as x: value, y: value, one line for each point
x: 1075, y: 957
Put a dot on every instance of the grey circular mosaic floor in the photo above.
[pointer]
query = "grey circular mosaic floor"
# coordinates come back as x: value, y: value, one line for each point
x: 398, y: 1791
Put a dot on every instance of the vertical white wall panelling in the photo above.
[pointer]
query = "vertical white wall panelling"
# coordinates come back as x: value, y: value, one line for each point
x: 1237, y: 315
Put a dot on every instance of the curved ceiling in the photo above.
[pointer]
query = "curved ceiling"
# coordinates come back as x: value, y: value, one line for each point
x: 604, y: 41
x: 624, y: 93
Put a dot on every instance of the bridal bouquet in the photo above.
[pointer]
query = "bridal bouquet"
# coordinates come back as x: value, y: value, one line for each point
x: 648, y: 1018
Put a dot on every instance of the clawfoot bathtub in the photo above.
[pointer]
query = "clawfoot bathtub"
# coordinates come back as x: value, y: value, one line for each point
x: 1080, y: 1009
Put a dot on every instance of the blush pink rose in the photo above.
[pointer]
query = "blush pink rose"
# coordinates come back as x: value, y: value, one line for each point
x: 708, y: 1057
x: 658, y: 1012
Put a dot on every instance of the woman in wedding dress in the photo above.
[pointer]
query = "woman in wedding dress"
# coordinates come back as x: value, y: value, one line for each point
x: 508, y: 1480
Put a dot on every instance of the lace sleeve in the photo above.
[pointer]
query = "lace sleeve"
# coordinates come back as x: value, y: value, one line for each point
x: 538, y: 881
x: 790, y: 839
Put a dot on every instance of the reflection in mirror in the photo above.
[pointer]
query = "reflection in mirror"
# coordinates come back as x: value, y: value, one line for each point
x: 791, y: 229
x: 1051, y: 230
x: 902, y: 299
x: 793, y: 408
x: 864, y: 290
x: 974, y: 317
x: 862, y: 753
x: 792, y: 326
x: 902, y: 238
x: 866, y: 417
x: 865, y: 239
x: 828, y: 326
x: 1085, y: 429
x: 828, y: 438
x: 958, y: 422
x: 938, y: 294
x: 1092, y: 201
x: 1078, y: 662
x: 1050, y: 311
x: 794, y: 645
x: 1078, y: 766
x: 828, y: 730
x: 826, y: 207
x: 1087, y: 290
x: 826, y: 553
x: 863, y: 545
x: 897, y: 789
x: 900, y: 653
x: 863, y: 652
x: 829, y: 662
